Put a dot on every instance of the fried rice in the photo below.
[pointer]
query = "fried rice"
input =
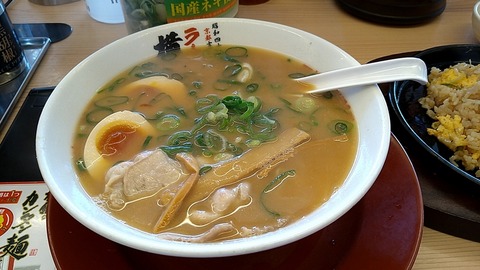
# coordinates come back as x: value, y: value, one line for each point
x: 453, y: 101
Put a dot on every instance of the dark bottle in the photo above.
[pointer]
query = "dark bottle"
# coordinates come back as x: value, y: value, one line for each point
x: 12, y: 58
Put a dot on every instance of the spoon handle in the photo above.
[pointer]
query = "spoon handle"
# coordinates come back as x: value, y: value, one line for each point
x: 408, y: 68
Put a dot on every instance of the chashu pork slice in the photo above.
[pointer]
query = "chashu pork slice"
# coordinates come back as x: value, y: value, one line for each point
x: 150, y: 174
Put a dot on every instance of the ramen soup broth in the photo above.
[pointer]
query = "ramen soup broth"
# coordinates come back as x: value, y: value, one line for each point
x: 274, y: 194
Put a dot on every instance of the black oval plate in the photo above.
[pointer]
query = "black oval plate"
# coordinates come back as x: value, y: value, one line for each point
x: 404, y: 97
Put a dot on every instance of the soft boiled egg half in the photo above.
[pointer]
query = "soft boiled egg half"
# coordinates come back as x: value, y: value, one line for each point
x: 110, y: 139
x: 121, y: 135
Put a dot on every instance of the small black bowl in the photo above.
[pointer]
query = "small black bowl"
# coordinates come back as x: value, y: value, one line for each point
x: 404, y: 97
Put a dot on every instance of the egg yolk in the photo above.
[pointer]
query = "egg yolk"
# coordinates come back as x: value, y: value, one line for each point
x: 456, y: 78
x: 114, y: 139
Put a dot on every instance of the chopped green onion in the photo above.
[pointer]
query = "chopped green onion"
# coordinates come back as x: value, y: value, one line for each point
x: 111, y: 101
x: 289, y: 105
x: 236, y: 52
x: 168, y: 56
x: 205, y: 169
x: 232, y: 70
x: 265, y: 122
x: 172, y: 150
x: 253, y: 87
x: 206, y: 104
x: 176, y: 76
x: 248, y: 112
x: 181, y: 111
x: 238, y: 105
x: 200, y: 141
x: 305, y: 104
x: 155, y: 116
x: 168, y: 122
x: 253, y: 143
x: 234, y: 149
x: 95, y: 116
x: 232, y: 102
x: 179, y: 137
x: 272, y: 185
x: 159, y: 97
x: 232, y: 114
x: 228, y: 58
x: 149, y: 73
x: 133, y: 70
x: 81, y: 164
x: 144, y: 70
x: 112, y: 86
x: 207, y: 153
x: 340, y: 126
x: 265, y: 135
x: 222, y: 157
x: 146, y: 142
x: 214, y: 141
x: 257, y: 103
x: 222, y: 85
x: 148, y: 65
x: 296, y: 75
x: 197, y: 84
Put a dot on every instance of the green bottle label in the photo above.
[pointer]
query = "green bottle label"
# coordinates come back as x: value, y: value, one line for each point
x: 179, y: 10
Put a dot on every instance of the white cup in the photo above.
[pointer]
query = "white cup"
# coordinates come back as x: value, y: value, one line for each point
x: 105, y: 11
x: 476, y: 20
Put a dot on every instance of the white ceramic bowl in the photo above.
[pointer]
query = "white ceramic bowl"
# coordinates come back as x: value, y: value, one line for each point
x: 476, y: 20
x: 62, y: 111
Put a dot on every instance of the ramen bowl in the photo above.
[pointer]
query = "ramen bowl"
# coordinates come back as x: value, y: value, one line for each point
x: 57, y: 128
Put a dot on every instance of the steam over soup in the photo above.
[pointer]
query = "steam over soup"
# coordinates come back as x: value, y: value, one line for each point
x: 213, y: 143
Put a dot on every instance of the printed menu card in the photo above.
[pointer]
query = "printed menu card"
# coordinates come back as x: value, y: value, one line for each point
x: 23, y: 234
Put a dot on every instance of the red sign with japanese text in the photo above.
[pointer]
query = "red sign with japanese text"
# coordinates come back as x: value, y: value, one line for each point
x: 6, y: 220
x: 10, y: 196
x: 23, y: 234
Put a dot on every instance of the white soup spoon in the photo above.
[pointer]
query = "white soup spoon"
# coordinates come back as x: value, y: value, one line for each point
x: 400, y: 69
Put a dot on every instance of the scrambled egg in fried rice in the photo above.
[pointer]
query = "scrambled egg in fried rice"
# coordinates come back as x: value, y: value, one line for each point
x: 453, y: 101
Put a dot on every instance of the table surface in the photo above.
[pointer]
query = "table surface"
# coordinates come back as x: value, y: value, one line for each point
x: 363, y: 40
